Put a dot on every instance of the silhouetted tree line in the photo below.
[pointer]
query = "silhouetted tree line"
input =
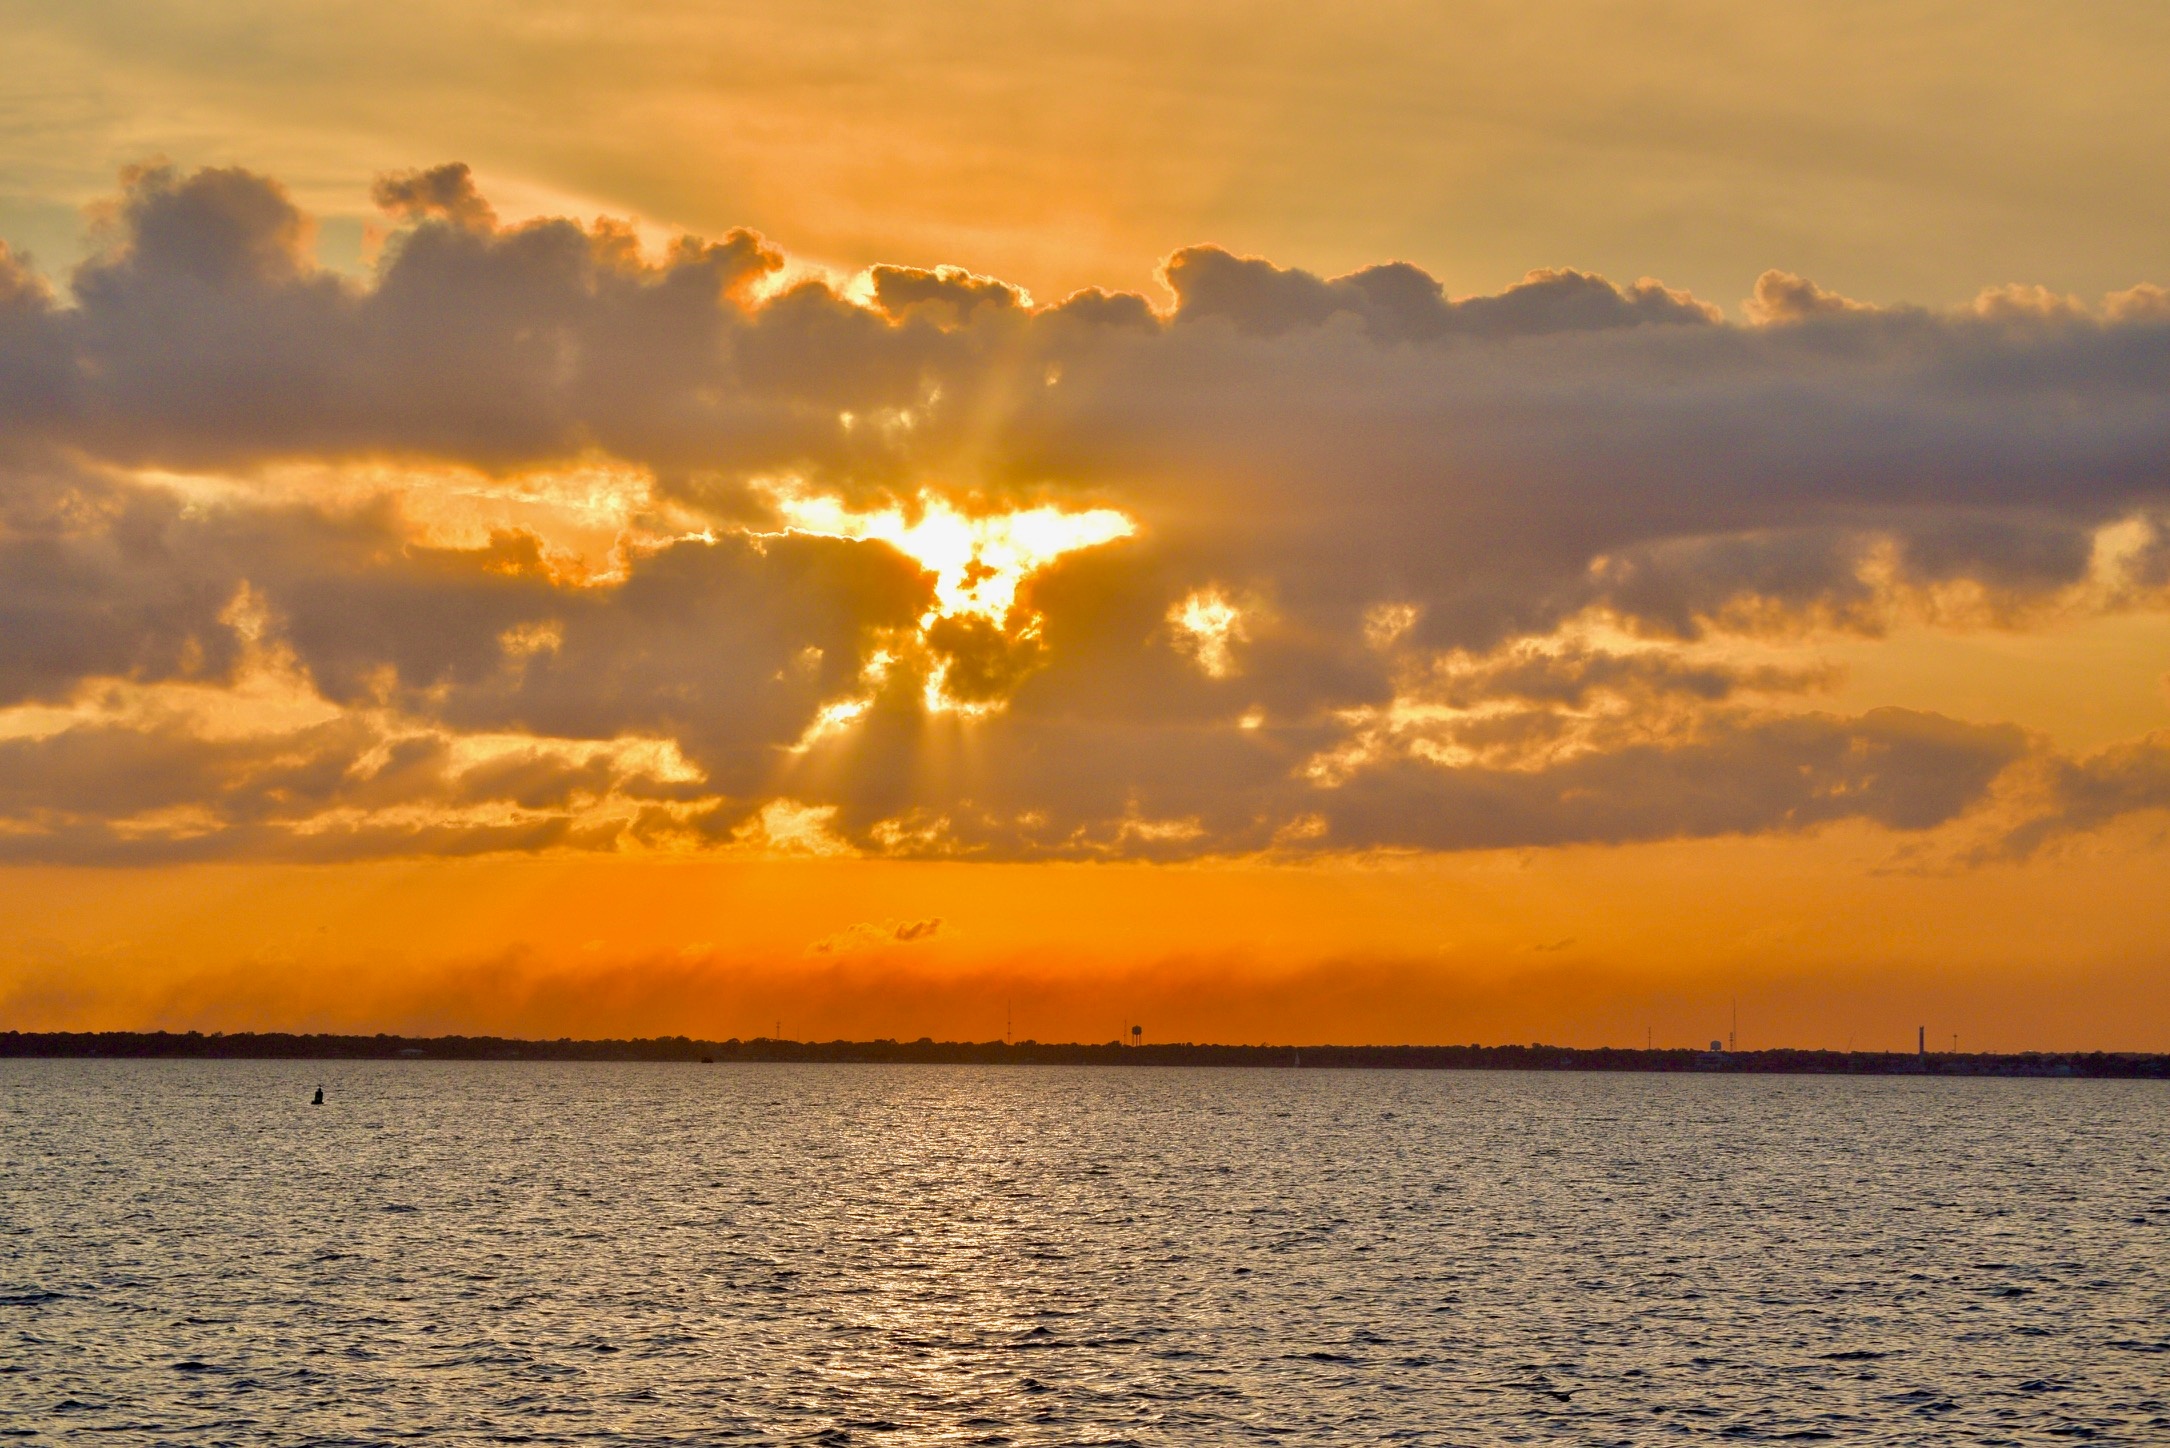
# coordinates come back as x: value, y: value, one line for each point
x: 279, y: 1045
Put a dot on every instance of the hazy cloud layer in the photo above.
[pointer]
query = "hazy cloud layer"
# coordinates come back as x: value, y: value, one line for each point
x: 572, y: 542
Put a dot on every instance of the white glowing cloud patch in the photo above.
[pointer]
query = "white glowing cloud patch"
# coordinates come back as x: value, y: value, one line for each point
x: 1207, y: 627
x: 837, y: 715
x: 833, y: 717
x: 789, y: 827
x: 1385, y: 623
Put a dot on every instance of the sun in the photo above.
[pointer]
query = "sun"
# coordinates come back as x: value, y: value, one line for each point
x: 979, y: 562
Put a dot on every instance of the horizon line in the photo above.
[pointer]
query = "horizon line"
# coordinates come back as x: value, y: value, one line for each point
x: 680, y: 1049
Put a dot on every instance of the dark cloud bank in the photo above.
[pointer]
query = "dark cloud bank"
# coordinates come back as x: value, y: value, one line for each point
x: 1416, y: 507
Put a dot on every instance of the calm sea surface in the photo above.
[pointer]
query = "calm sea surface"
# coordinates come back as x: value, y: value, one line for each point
x: 519, y: 1252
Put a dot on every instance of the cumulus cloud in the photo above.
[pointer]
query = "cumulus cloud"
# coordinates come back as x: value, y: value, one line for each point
x: 1398, y: 302
x: 1782, y: 297
x: 1275, y: 562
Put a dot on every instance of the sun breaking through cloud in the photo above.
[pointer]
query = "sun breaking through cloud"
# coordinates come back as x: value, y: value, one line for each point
x: 979, y: 563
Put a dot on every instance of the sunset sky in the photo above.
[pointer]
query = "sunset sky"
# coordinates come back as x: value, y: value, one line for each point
x: 1447, y: 522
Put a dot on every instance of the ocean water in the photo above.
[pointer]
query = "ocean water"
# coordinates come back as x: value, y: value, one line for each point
x: 595, y: 1253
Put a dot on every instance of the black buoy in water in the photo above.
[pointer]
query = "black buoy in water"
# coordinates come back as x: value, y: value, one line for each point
x: 318, y: 1099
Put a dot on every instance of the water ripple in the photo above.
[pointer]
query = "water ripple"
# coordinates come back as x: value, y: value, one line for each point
x: 525, y: 1252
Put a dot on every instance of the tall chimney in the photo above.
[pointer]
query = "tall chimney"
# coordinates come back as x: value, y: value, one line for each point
x: 1921, y: 1042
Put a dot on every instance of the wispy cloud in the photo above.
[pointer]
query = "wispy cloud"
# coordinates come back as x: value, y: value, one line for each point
x: 876, y: 935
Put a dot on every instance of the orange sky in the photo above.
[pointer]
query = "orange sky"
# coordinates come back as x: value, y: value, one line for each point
x: 1825, y: 942
x: 1900, y: 150
x: 1542, y: 520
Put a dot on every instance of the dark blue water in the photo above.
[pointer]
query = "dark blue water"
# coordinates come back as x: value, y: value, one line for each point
x: 521, y: 1252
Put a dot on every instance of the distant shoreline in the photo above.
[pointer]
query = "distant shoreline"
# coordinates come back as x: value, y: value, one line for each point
x: 282, y: 1046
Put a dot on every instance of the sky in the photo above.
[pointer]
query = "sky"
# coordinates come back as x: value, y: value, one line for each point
x: 1565, y: 522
